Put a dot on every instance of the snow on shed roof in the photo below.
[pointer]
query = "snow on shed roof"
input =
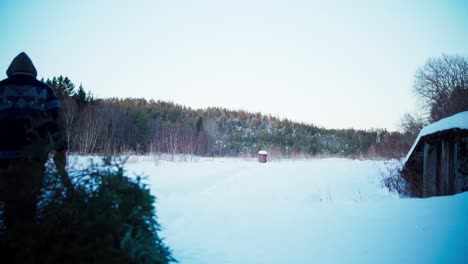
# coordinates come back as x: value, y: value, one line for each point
x: 459, y: 120
x: 263, y: 152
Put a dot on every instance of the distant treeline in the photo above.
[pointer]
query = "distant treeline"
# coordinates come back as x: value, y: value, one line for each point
x: 140, y: 126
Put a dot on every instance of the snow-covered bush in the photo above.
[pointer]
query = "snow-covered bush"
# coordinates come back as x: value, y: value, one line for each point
x: 392, y: 179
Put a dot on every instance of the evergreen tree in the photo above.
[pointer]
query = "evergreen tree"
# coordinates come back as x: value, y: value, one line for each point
x: 199, y: 125
x: 63, y: 86
x: 109, y: 218
x: 81, y: 97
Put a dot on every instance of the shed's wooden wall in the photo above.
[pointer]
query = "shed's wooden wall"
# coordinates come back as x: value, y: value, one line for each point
x: 444, y: 164
x: 461, y: 166
x: 438, y: 165
x: 430, y: 170
x: 445, y: 167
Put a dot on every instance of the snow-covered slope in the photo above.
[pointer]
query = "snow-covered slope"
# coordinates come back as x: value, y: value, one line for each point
x: 308, y: 211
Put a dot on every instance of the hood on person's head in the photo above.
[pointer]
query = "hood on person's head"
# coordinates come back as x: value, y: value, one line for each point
x: 21, y: 64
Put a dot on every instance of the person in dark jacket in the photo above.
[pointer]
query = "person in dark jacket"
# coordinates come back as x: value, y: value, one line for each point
x: 30, y: 128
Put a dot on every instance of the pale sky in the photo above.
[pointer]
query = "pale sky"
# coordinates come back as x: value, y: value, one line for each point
x: 337, y: 64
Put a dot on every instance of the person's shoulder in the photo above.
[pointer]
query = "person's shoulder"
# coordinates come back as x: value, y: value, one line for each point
x: 44, y: 85
x: 41, y: 84
x: 51, y: 94
x: 4, y: 82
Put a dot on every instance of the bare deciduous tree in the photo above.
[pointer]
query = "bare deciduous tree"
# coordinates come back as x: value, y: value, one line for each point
x: 412, y: 125
x: 90, y: 127
x: 69, y: 110
x: 442, y: 86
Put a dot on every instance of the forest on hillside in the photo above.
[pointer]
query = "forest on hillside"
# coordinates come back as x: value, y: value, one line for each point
x: 130, y: 125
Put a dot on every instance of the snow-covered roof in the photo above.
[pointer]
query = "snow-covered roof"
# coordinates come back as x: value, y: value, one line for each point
x: 459, y: 120
x: 263, y: 152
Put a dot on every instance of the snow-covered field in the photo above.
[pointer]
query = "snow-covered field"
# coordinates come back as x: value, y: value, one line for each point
x: 299, y: 211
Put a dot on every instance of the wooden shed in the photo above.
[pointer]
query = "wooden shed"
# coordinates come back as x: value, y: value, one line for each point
x: 262, y: 156
x: 437, y: 163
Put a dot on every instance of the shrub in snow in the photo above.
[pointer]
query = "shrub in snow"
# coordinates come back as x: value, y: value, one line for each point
x: 392, y: 179
x: 110, y: 218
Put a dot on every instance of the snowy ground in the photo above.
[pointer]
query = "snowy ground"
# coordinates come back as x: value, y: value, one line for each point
x: 218, y: 211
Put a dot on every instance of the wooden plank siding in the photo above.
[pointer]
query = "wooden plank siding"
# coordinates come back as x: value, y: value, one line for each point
x: 439, y: 164
x: 458, y: 179
x: 452, y: 167
x: 444, y: 168
x: 430, y: 170
x: 461, y: 167
x: 439, y: 172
